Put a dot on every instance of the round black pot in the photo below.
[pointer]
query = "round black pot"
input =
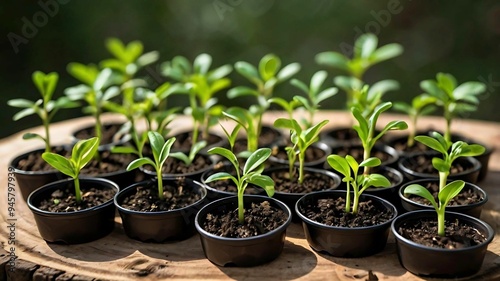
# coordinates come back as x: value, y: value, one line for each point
x: 290, y: 199
x: 121, y: 136
x: 29, y: 181
x: 161, y: 226
x: 73, y: 227
x: 241, y: 252
x: 469, y: 175
x: 388, y: 193
x: 471, y: 210
x: 344, y: 241
x: 214, y: 193
x: 436, y: 262
x: 316, y: 163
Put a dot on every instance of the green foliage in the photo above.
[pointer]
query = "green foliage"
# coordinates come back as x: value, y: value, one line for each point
x: 454, y: 99
x: 358, y: 182
x: 301, y: 140
x: 161, y: 151
x: 188, y: 159
x: 366, y: 128
x: 83, y: 151
x: 247, y: 119
x: 314, y: 94
x: 251, y: 174
x: 45, y: 107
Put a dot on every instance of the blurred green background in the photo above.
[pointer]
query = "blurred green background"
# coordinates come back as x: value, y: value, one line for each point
x: 462, y: 38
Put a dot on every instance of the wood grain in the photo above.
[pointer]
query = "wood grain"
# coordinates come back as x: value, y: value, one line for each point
x: 117, y: 257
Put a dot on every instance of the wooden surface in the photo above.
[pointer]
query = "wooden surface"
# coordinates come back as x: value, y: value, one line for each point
x: 117, y: 257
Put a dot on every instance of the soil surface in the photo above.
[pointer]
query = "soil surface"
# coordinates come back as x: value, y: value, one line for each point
x: 176, y: 166
x: 457, y: 235
x: 146, y: 199
x: 465, y: 197
x: 331, y: 211
x: 110, y: 133
x: 34, y: 161
x: 312, y: 182
x: 63, y: 200
x: 344, y: 135
x: 312, y: 153
x: 259, y: 219
x: 402, y: 145
x: 423, y: 164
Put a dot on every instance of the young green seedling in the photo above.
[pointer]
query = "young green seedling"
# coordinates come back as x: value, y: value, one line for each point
x: 301, y: 140
x: 83, y: 151
x: 420, y: 105
x: 454, y: 99
x: 450, y: 152
x: 161, y: 151
x: 188, y: 159
x: 247, y: 119
x: 265, y: 78
x: 358, y: 182
x: 45, y: 107
x: 251, y: 174
x: 366, y: 129
x: 314, y: 94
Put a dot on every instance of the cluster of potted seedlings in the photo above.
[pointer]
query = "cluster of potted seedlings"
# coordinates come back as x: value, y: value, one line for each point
x: 348, y: 186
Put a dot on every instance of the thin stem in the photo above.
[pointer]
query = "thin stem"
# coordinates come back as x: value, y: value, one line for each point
x: 366, y: 155
x: 302, y: 156
x: 411, y: 135
x: 160, y: 183
x: 443, y: 177
x: 47, y: 134
x: 78, y: 193
x: 355, y: 203
x: 440, y: 218
x: 348, y: 198
x: 448, y: 117
x: 241, y: 206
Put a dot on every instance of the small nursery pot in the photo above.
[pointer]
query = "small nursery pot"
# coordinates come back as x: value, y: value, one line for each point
x: 117, y: 135
x: 290, y: 199
x: 469, y: 175
x: 319, y: 148
x: 437, y: 262
x: 73, y: 227
x: 473, y: 210
x: 242, y: 252
x: 344, y: 241
x: 29, y: 181
x: 388, y: 193
x: 160, y: 226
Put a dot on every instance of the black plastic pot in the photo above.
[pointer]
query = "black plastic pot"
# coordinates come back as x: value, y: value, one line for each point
x: 344, y: 241
x: 316, y: 163
x: 436, y: 262
x: 73, y: 227
x: 241, y: 252
x: 388, y: 193
x: 290, y: 199
x: 121, y: 137
x: 177, y: 224
x: 471, y: 210
x: 469, y: 175
x: 214, y: 194
x: 29, y: 181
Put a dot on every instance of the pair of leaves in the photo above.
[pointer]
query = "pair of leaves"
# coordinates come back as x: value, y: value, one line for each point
x: 451, y: 190
x: 302, y: 138
x: 161, y: 151
x: 344, y: 165
x: 421, y: 105
x: 313, y: 92
x: 188, y: 159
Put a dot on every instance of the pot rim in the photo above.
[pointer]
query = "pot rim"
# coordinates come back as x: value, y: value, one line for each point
x: 473, y: 186
x: 324, y: 226
x: 209, y: 235
x: 490, y: 232
x: 36, y: 210
x: 475, y: 163
x: 13, y: 162
x: 145, y: 182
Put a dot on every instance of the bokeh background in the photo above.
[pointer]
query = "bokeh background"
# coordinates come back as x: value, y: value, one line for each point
x: 459, y: 37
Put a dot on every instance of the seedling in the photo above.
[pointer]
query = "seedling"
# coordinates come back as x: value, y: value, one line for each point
x: 251, y: 174
x: 188, y: 159
x: 161, y: 151
x: 247, y: 119
x: 358, y: 182
x: 366, y: 129
x: 314, y: 94
x: 201, y: 84
x: 301, y: 140
x: 83, y: 151
x: 450, y: 152
x: 45, y: 107
x: 420, y: 105
x: 455, y: 100
x: 265, y: 78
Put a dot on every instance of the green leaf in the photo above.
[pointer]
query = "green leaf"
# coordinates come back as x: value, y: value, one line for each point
x: 317, y: 80
x: 386, y: 52
x: 46, y: 83
x: 310, y: 135
x: 432, y: 88
x: 124, y: 150
x: 181, y: 156
x: 378, y: 180
x: 362, y: 127
x: 23, y: 113
x: 432, y: 143
x: 325, y: 94
x: 256, y: 159
x: 269, y: 66
x: 147, y: 58
x: 202, y: 63
x: 402, y: 107
x: 352, y: 163
x: 103, y: 79
x: 451, y: 190
x: 241, y: 91
x: 83, y: 151
x: 263, y: 181
x: 332, y: 59
x: 301, y: 85
x: 446, y: 82
x: 381, y: 87
x: 441, y: 165
x: 60, y: 163
x: 421, y: 191
x: 165, y: 151
x: 21, y: 103
x: 468, y: 89
x: 288, y: 71
x: 220, y: 72
x: 221, y: 176
x: 139, y: 163
x: 248, y: 71
x: 156, y: 141
x: 365, y: 45
x: 226, y: 153
x: 28, y: 136
x: 339, y: 164
x: 370, y: 162
x: 84, y: 73
x: 348, y: 83
x: 472, y: 150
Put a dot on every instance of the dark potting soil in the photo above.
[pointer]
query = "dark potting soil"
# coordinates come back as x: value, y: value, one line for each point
x: 457, y: 235
x: 312, y: 153
x: 417, y: 147
x: 108, y: 163
x: 423, y: 164
x: 63, y: 200
x: 176, y: 166
x: 110, y: 133
x: 331, y: 211
x: 259, y: 219
x: 465, y: 197
x: 357, y: 153
x: 312, y: 182
x: 344, y: 134
x: 35, y: 162
x: 146, y: 199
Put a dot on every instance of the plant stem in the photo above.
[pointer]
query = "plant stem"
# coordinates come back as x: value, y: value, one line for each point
x: 443, y: 177
x: 348, y: 198
x: 366, y: 155
x: 160, y: 183
x: 302, y: 156
x: 440, y: 218
x: 78, y: 193
x: 241, y: 206
x: 47, y: 134
x: 355, y: 203
x: 411, y: 134
x: 447, y: 132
